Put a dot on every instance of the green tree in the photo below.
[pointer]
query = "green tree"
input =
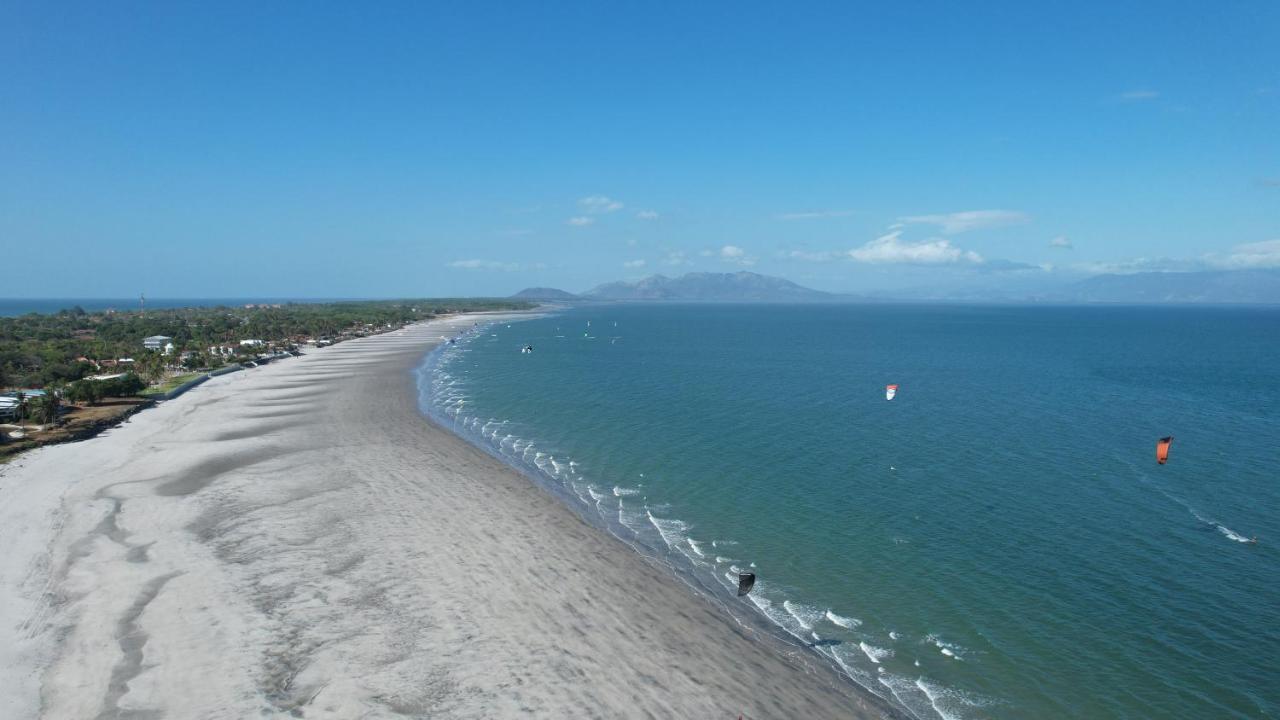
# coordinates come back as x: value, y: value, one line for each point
x: 44, y: 408
x: 150, y: 366
x: 84, y: 391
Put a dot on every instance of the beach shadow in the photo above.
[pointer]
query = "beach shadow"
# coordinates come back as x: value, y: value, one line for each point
x: 826, y: 643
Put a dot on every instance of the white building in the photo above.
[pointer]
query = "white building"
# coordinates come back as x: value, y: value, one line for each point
x: 156, y: 342
x: 251, y: 343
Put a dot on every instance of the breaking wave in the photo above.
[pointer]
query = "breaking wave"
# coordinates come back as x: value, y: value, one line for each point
x: 629, y: 514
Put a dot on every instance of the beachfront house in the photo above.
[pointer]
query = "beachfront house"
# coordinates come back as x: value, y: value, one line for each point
x: 251, y: 343
x: 11, y: 402
x: 9, y: 407
x: 156, y: 342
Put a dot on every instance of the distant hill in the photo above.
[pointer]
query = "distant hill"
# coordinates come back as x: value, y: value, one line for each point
x: 543, y: 293
x: 709, y: 287
x: 1213, y: 286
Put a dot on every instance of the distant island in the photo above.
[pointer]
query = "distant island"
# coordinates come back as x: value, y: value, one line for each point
x: 1247, y: 286
x: 543, y: 293
x: 692, y: 287
x: 1253, y: 286
x: 709, y: 287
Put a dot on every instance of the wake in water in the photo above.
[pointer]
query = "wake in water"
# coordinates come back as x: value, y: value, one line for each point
x: 1226, y: 531
x: 866, y: 657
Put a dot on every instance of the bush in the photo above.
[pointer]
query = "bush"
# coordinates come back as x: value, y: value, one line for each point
x: 125, y: 385
x: 84, y: 391
x: 91, y: 391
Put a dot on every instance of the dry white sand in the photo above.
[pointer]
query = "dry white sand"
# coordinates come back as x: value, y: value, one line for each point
x: 297, y: 539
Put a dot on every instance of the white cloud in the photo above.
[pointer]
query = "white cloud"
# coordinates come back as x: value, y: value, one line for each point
x: 580, y: 221
x: 890, y: 249
x: 484, y: 265
x: 959, y: 222
x: 647, y: 215
x: 736, y: 255
x: 634, y: 264
x: 814, y: 215
x: 1062, y: 241
x: 599, y: 204
x: 810, y: 256
x: 677, y: 257
x: 1265, y: 254
x: 1138, y: 95
x: 706, y: 253
x: 1140, y: 264
x: 1255, y: 255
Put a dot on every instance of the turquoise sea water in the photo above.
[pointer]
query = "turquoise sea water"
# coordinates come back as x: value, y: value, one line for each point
x: 997, y: 541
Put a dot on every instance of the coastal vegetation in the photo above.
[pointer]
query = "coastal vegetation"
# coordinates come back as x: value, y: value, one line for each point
x: 68, y: 375
x: 59, y: 349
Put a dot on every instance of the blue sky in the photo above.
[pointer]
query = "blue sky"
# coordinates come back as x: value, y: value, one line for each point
x: 225, y: 149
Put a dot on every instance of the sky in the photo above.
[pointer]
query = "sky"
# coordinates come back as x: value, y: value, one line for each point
x: 474, y: 148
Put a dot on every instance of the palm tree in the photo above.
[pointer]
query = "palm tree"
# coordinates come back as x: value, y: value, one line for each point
x: 45, y: 407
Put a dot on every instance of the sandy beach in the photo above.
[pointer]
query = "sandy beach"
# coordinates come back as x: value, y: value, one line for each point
x: 298, y: 540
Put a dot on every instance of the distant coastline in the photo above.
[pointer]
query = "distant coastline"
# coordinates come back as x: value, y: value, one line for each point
x: 14, y: 307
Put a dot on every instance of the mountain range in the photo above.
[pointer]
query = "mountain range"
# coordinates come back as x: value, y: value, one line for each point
x: 1255, y: 286
x: 544, y: 293
x: 1252, y: 286
x: 708, y: 287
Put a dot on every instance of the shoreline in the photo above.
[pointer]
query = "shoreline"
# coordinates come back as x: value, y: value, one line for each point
x: 749, y: 618
x: 303, y: 539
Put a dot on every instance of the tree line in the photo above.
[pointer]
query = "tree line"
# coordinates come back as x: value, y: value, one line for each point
x: 58, y: 349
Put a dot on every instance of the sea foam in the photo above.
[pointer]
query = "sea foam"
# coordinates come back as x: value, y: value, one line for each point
x: 844, y: 622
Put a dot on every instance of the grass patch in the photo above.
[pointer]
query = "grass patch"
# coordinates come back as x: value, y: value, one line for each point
x: 170, y: 384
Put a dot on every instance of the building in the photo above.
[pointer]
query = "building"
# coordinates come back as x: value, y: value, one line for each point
x: 107, y: 376
x: 9, y: 407
x: 11, y: 402
x: 251, y: 343
x: 156, y: 342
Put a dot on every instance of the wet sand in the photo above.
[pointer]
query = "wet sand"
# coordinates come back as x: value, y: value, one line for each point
x: 298, y: 539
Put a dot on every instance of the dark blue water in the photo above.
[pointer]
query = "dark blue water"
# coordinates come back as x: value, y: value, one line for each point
x: 997, y: 541
x: 11, y: 307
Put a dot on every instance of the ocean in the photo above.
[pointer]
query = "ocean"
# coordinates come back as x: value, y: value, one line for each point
x: 13, y: 307
x: 995, y: 542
